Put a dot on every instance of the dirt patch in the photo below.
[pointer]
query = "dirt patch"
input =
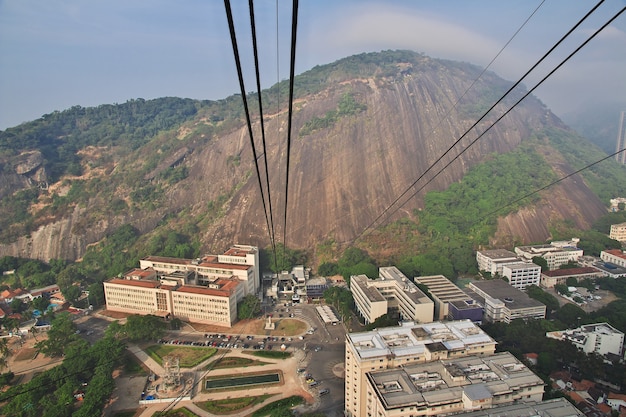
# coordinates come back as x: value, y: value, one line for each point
x: 114, y: 314
x: 25, y: 354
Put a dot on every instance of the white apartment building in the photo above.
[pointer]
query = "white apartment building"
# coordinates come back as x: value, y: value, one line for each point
x: 522, y: 274
x: 614, y: 256
x: 392, y: 292
x: 556, y: 253
x: 449, y: 386
x: 405, y: 345
x: 600, y: 338
x: 493, y: 260
x: 618, y: 232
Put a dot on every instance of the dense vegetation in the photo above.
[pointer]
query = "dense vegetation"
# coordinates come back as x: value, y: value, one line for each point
x: 86, y: 369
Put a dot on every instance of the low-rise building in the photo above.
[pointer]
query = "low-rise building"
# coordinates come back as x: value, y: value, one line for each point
x: 404, y: 345
x: 522, y: 274
x: 492, y: 260
x: 614, y: 256
x: 560, y: 276
x: 502, y: 302
x: 393, y: 293
x: 451, y: 386
x: 557, y: 253
x: 600, y: 338
x: 451, y: 302
x: 618, y: 232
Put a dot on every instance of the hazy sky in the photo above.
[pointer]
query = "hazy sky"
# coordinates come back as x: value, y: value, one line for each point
x: 55, y: 54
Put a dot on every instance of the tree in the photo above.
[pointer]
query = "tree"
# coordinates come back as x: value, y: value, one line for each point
x: 72, y: 293
x: 571, y: 315
x: 538, y: 260
x: 249, y: 307
x: 62, y: 334
x: 41, y: 303
x: 146, y: 327
x: 328, y: 269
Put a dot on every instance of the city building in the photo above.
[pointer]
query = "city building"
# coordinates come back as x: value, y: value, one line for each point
x: 557, y: 407
x: 522, y: 274
x: 502, y: 302
x: 493, y: 260
x: 405, y: 345
x: 560, y: 276
x: 204, y: 290
x: 618, y: 232
x: 450, y: 301
x: 239, y: 261
x: 600, y: 338
x: 614, y: 256
x: 393, y: 293
x: 450, y: 386
x: 556, y: 253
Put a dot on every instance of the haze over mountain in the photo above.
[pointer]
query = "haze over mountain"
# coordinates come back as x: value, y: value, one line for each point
x: 365, y: 128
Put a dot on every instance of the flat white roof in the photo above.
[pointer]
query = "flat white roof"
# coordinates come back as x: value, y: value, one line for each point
x: 411, y: 338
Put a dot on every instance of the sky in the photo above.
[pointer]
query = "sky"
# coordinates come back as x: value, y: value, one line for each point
x: 55, y: 54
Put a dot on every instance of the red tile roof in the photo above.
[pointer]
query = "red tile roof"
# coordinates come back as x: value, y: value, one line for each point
x: 616, y: 252
x: 570, y: 271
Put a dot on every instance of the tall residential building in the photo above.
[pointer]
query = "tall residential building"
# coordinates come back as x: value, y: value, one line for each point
x: 393, y: 293
x: 599, y: 338
x: 556, y: 253
x: 522, y: 274
x: 203, y: 290
x: 451, y: 303
x: 450, y: 386
x: 405, y: 345
x: 492, y: 260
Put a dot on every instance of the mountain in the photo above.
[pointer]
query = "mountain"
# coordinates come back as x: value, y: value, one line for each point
x: 365, y: 128
x: 597, y: 122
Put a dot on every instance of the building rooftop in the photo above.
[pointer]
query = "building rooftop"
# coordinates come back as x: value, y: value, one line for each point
x: 432, y: 383
x: 370, y: 292
x: 498, y: 254
x: 240, y: 251
x: 411, y: 339
x: 442, y: 288
x: 570, y: 271
x: 616, y: 252
x: 558, y: 407
x: 135, y: 282
x: 512, y: 297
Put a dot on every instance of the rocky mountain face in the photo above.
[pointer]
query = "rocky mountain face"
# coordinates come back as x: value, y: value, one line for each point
x: 358, y: 142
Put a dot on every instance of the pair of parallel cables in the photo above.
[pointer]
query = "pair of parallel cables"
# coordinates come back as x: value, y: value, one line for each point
x: 267, y: 207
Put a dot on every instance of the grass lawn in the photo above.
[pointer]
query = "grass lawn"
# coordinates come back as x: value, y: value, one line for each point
x: 189, y: 356
x: 179, y: 412
x: 271, y: 354
x: 232, y: 405
x: 285, y: 403
x: 234, y: 362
